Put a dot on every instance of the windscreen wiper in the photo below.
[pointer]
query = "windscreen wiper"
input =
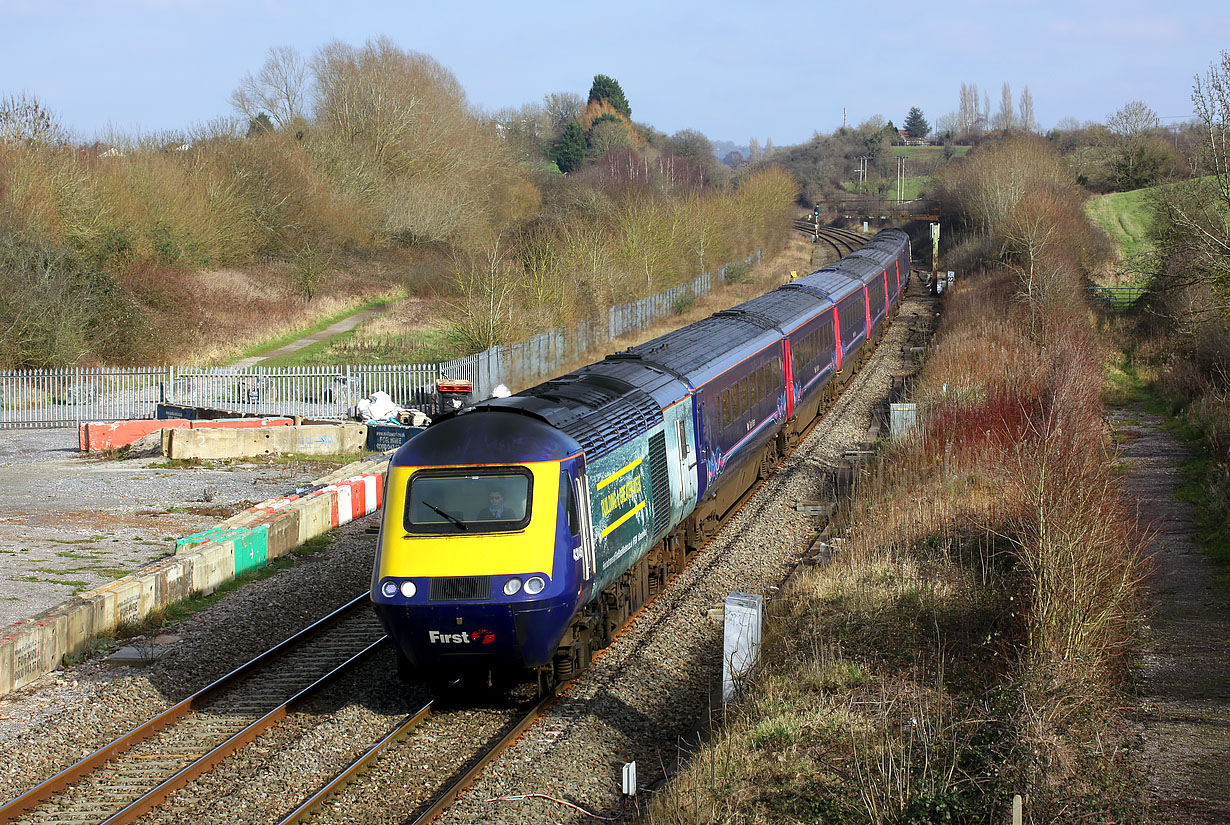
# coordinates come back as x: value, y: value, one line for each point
x: 448, y: 516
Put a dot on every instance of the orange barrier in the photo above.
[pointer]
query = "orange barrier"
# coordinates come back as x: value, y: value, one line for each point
x: 101, y: 435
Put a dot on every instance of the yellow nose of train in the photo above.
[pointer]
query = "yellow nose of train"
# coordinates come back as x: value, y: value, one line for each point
x: 477, y: 566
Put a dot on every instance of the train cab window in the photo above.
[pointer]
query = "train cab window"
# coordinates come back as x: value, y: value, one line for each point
x: 568, y: 501
x: 468, y: 500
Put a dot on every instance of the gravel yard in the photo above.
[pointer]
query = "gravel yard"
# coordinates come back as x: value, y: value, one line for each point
x: 69, y: 523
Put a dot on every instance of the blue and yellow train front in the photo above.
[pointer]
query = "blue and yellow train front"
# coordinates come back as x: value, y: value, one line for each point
x: 479, y: 566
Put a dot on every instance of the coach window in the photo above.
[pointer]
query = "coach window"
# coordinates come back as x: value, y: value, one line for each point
x: 725, y: 409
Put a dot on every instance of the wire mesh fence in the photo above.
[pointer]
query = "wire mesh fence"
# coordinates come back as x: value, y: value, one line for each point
x: 70, y: 397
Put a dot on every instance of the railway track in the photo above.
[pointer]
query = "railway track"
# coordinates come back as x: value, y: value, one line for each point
x: 141, y: 769
x: 433, y: 798
x: 841, y: 241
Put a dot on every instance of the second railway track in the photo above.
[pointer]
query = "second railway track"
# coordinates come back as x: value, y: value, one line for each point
x: 141, y: 769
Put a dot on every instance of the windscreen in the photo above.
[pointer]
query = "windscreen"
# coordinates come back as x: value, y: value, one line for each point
x: 468, y: 502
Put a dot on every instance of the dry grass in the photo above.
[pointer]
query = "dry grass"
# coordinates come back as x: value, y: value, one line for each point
x: 968, y: 637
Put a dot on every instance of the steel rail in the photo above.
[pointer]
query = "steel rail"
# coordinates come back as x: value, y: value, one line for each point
x: 156, y: 796
x: 445, y: 800
x: 313, y: 803
x: 124, y: 743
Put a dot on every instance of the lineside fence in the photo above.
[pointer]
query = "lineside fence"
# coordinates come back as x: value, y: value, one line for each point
x: 69, y: 397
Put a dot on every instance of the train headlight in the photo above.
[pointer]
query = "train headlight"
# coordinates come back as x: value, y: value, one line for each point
x: 534, y: 585
x: 512, y: 587
x: 408, y: 589
x: 388, y: 589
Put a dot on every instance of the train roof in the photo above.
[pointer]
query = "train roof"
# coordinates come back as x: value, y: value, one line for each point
x: 700, y: 352
x: 787, y: 309
x: 477, y: 438
x: 599, y: 411
x: 827, y: 283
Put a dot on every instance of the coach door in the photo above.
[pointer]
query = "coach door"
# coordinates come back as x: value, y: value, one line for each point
x: 588, y: 562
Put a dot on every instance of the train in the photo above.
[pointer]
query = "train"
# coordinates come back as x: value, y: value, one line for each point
x: 519, y: 534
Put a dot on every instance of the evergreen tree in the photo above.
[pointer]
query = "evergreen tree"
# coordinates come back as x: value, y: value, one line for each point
x: 608, y: 89
x: 916, y: 126
x: 569, y: 152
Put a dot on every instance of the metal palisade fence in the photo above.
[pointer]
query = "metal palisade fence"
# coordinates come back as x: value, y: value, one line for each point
x: 69, y: 397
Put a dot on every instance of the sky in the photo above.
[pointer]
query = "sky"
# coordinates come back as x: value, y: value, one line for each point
x: 772, y: 70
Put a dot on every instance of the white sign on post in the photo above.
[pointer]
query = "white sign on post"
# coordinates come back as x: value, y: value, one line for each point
x: 741, y: 642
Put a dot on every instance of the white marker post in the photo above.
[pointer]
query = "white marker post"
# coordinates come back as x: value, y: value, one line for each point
x: 741, y: 643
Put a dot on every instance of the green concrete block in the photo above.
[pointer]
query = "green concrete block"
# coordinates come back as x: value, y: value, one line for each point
x: 251, y: 547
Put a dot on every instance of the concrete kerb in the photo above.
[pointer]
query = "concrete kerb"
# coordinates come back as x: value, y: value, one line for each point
x: 38, y: 646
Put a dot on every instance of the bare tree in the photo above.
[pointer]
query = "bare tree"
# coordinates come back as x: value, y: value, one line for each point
x: 607, y: 135
x: 562, y: 108
x: 1026, y: 119
x: 486, y: 287
x: 967, y: 113
x: 23, y: 119
x: 754, y: 153
x: 1195, y: 225
x: 278, y: 90
x: 1133, y: 120
x: 1005, y: 118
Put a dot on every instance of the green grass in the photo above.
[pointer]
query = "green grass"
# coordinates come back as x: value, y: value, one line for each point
x: 1126, y: 217
x: 914, y: 187
x: 322, y: 324
x: 422, y: 346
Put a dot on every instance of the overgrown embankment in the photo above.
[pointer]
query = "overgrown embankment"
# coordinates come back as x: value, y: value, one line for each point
x: 384, y: 180
x: 970, y: 637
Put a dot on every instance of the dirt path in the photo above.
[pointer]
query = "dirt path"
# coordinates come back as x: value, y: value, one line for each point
x: 345, y: 325
x: 1184, y: 710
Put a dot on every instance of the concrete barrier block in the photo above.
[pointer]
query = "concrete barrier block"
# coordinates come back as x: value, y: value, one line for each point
x: 319, y: 439
x: 6, y: 663
x: 283, y: 535
x: 78, y: 625
x: 241, y: 423
x: 213, y: 564
x: 128, y: 599
x: 102, y: 605
x: 315, y: 515
x: 37, y: 648
x: 171, y: 580
x: 251, y: 547
x: 104, y: 435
